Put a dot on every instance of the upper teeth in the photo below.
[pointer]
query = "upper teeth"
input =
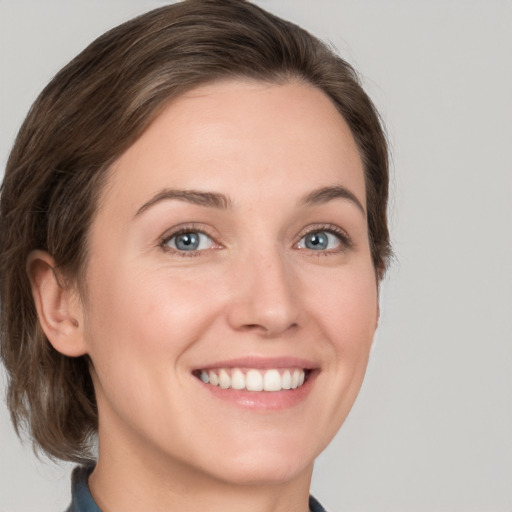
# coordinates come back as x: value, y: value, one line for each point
x: 254, y: 380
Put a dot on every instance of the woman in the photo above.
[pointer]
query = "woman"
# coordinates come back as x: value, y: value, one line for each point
x: 199, y: 203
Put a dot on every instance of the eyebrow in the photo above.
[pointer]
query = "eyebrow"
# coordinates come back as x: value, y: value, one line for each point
x: 326, y: 194
x: 208, y: 199
x: 222, y: 202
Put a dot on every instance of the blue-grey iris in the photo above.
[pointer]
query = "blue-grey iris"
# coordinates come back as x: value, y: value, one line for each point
x: 316, y: 241
x: 187, y: 241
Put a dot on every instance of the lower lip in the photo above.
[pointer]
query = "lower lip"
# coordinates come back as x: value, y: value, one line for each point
x: 263, y: 400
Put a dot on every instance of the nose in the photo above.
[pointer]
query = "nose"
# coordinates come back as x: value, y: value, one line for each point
x: 264, y: 297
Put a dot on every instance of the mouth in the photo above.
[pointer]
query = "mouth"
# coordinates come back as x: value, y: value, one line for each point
x: 254, y: 379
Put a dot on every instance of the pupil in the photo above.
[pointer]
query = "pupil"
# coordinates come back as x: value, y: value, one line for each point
x: 187, y: 241
x: 316, y: 241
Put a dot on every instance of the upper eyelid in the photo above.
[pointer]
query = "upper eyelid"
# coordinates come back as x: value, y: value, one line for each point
x: 187, y: 228
x: 331, y: 228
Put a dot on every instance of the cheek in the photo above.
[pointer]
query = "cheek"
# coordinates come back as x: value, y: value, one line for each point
x: 347, y: 312
x: 139, y: 326
x: 143, y: 315
x: 345, y: 305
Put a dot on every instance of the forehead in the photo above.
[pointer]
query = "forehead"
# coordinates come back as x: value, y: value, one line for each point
x: 233, y: 136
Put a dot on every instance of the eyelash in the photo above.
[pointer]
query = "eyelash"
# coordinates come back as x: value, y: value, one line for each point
x: 345, y: 240
x: 181, y: 231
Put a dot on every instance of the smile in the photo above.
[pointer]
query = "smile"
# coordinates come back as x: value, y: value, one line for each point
x: 251, y: 379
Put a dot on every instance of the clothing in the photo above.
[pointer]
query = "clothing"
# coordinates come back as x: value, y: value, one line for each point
x: 82, y: 501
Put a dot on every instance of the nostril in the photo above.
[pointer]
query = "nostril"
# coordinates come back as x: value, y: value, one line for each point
x: 267, y: 331
x: 253, y: 328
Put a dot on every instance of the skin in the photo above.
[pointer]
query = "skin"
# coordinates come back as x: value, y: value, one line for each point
x: 153, y: 314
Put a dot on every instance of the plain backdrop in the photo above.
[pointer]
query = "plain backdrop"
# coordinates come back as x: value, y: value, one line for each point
x: 432, y: 428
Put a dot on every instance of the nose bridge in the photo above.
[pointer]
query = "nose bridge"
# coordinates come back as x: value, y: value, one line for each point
x: 264, y: 298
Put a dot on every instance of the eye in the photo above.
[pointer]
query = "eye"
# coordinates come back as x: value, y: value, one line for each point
x: 189, y: 241
x: 321, y: 240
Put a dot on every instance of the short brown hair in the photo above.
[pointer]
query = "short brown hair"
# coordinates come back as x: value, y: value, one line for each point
x: 85, y: 118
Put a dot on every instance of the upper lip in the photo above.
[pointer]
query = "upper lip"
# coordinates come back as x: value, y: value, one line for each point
x: 262, y: 363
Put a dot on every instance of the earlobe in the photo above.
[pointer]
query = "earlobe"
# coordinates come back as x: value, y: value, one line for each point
x: 58, y: 306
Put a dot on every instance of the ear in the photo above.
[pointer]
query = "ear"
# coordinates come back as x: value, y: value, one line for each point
x: 58, y: 305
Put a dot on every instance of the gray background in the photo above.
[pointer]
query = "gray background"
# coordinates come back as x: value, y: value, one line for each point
x: 432, y: 428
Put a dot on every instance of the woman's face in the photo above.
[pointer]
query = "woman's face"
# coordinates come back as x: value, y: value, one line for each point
x: 231, y: 245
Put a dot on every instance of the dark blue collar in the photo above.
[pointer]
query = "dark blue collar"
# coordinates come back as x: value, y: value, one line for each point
x: 82, y: 501
x: 314, y: 506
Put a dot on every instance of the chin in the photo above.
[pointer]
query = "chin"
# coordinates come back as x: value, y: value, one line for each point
x: 269, y: 470
x: 276, y: 461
